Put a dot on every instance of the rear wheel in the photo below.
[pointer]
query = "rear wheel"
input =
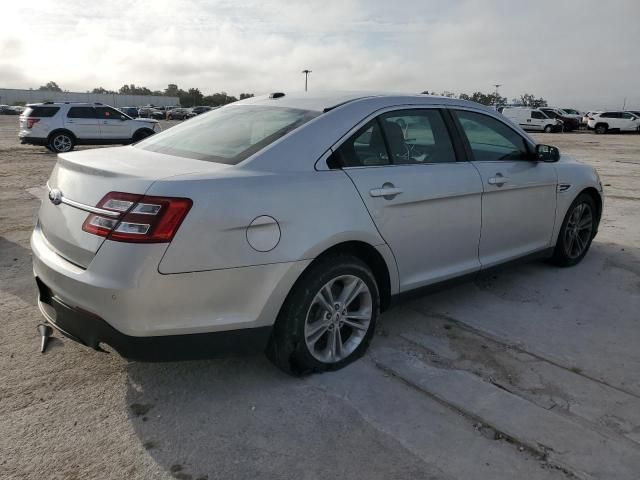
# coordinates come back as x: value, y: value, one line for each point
x: 577, y: 232
x: 328, y: 318
x: 61, y: 142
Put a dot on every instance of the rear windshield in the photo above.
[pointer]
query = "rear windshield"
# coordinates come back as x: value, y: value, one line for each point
x: 41, y: 112
x: 228, y: 135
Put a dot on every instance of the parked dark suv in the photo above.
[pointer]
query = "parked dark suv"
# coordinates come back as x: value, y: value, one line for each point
x: 568, y: 123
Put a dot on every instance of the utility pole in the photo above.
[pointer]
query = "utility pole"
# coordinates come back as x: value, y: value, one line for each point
x: 306, y: 76
x: 497, y: 85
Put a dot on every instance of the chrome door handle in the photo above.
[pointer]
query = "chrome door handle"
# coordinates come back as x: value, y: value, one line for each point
x: 498, y: 180
x: 388, y: 191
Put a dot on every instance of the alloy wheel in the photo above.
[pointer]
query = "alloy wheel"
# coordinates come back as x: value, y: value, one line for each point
x: 62, y: 143
x: 578, y: 230
x: 338, y: 318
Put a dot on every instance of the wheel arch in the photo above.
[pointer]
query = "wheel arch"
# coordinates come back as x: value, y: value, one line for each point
x: 595, y: 196
x: 61, y: 130
x: 135, y: 138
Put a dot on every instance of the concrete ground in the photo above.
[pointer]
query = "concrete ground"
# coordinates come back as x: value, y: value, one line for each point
x: 529, y: 373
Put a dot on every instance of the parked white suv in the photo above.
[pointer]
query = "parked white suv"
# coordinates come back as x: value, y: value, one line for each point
x: 604, y: 122
x: 61, y: 126
x: 532, y: 119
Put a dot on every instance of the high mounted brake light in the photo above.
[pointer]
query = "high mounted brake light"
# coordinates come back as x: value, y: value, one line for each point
x: 142, y: 219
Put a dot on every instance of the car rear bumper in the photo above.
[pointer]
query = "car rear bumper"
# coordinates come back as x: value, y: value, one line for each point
x: 123, y: 299
x: 92, y: 331
x: 33, y: 141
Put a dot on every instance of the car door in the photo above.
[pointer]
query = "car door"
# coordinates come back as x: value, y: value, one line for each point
x: 83, y: 123
x: 113, y: 124
x: 425, y: 204
x: 538, y: 120
x: 519, y: 194
x: 629, y: 122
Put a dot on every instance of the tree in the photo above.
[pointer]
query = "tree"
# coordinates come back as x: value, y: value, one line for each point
x: 51, y: 86
x: 218, y: 99
x: 102, y: 90
x: 133, y: 90
x: 245, y: 95
x: 484, y: 98
x: 529, y: 100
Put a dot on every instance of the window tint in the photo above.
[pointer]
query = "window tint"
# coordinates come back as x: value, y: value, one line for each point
x: 41, y: 112
x: 417, y: 136
x: 81, y: 112
x: 108, y: 113
x: 365, y: 148
x: 628, y: 116
x: 229, y: 134
x: 535, y: 114
x: 491, y: 139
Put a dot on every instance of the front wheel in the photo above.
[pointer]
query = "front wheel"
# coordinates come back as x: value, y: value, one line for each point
x: 577, y: 232
x: 328, y: 318
x: 61, y: 142
x: 600, y: 129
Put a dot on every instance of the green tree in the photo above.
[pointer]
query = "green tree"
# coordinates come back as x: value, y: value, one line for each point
x: 172, y: 90
x: 245, y: 95
x: 484, y: 98
x: 102, y: 90
x: 51, y: 86
x: 131, y: 89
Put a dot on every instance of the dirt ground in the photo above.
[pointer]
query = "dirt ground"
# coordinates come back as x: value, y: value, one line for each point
x: 529, y: 373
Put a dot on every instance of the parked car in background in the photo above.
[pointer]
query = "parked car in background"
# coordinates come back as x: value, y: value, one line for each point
x: 201, y: 109
x: 130, y: 111
x: 569, y: 123
x: 614, y: 121
x: 150, y: 112
x: 179, y: 114
x: 7, y: 110
x: 572, y: 112
x: 62, y: 126
x: 207, y: 237
x: 532, y: 119
x: 587, y: 116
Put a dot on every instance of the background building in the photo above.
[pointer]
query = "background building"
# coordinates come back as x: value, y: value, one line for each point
x: 11, y: 96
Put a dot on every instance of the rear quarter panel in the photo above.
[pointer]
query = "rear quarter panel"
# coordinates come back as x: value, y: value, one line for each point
x: 314, y: 211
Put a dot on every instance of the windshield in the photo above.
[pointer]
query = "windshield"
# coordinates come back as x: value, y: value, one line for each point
x: 228, y: 135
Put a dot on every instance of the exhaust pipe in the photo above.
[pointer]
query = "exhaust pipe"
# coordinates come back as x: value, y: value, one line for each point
x: 45, y: 333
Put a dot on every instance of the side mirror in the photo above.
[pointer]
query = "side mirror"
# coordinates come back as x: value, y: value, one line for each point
x: 547, y: 153
x: 122, y: 117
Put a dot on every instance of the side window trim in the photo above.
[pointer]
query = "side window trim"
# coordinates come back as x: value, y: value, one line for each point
x: 458, y: 148
x: 465, y: 141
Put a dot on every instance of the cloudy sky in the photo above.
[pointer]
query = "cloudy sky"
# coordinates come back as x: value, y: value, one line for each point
x: 580, y: 53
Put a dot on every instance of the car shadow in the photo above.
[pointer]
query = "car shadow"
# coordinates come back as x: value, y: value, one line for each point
x: 17, y: 271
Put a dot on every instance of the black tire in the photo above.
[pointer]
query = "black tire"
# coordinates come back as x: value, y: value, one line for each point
x: 564, y: 255
x: 601, y: 128
x: 548, y: 129
x: 61, y: 142
x: 141, y: 134
x: 288, y: 348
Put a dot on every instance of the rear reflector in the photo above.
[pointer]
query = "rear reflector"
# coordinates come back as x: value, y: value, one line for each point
x: 143, y: 219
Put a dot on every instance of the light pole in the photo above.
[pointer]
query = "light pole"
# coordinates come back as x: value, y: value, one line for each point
x: 306, y: 77
x: 497, y: 85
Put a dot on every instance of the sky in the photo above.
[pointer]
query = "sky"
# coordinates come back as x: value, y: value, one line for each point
x: 574, y: 53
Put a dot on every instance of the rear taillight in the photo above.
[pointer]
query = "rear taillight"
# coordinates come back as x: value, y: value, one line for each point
x: 140, y: 219
x: 32, y: 121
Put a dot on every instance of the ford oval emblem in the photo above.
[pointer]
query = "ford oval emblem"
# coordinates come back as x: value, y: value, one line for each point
x: 55, y: 196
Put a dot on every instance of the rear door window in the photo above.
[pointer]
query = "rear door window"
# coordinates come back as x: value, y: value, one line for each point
x: 81, y: 112
x: 417, y: 136
x: 41, y: 112
x: 538, y: 115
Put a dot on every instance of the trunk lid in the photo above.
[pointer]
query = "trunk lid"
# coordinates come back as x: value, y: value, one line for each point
x: 84, y: 178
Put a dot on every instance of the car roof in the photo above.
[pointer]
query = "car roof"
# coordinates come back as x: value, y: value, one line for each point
x: 326, y: 100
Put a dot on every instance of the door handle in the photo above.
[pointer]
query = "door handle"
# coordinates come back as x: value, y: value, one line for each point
x: 498, y: 180
x: 388, y: 191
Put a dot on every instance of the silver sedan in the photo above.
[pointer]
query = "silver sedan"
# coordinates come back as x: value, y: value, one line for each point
x: 289, y: 222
